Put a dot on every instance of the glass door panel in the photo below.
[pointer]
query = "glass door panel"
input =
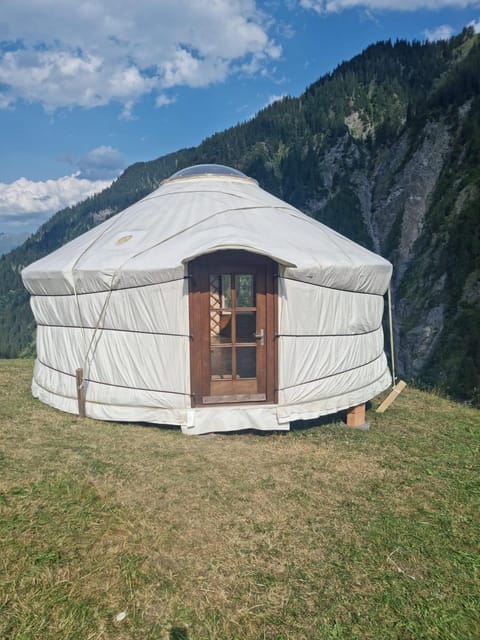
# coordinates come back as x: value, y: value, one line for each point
x: 232, y: 349
x: 246, y: 362
x: 233, y: 326
x: 245, y: 290
x: 221, y: 363
x: 245, y: 326
x: 220, y: 326
x: 220, y: 301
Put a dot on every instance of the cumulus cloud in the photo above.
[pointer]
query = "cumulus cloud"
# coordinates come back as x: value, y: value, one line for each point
x: 332, y: 6
x: 162, y: 100
x: 30, y: 203
x: 443, y: 32
x: 64, y: 54
x: 102, y: 163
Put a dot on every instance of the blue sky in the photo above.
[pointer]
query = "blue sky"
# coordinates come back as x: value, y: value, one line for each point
x: 87, y: 88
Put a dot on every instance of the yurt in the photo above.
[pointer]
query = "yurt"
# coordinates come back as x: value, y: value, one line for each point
x: 212, y: 305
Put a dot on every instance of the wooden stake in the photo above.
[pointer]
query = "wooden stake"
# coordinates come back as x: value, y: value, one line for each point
x: 392, y: 396
x: 356, y: 416
x: 80, y: 393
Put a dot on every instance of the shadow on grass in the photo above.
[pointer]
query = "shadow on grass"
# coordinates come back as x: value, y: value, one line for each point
x: 178, y: 633
x: 322, y: 421
x: 296, y: 425
x: 334, y: 419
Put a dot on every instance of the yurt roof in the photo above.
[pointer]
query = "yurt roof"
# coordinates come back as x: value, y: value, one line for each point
x: 199, y: 210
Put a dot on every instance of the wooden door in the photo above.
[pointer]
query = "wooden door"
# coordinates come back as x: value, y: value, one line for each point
x: 232, y: 323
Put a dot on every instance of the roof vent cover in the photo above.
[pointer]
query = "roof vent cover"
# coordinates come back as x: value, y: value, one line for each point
x: 207, y: 170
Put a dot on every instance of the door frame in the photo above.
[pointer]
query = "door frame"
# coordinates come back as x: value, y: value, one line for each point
x: 199, y: 317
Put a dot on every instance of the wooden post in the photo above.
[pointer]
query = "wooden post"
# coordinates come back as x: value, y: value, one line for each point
x: 80, y: 393
x: 392, y: 396
x: 356, y: 416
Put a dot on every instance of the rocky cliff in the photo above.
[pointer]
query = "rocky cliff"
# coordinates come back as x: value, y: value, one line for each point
x: 401, y: 192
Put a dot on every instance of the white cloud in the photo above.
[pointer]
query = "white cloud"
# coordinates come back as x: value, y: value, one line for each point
x: 475, y: 25
x: 102, y: 163
x: 64, y: 54
x: 275, y: 98
x: 25, y: 200
x: 163, y: 100
x: 443, y: 32
x: 332, y: 6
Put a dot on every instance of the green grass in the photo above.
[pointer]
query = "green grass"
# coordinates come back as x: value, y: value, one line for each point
x: 325, y: 533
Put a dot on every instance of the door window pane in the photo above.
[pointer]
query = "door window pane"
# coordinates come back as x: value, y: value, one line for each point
x: 245, y: 290
x: 221, y: 363
x: 246, y: 362
x: 215, y: 291
x: 220, y: 290
x: 226, y: 291
x: 220, y: 327
x: 220, y: 297
x: 246, y: 322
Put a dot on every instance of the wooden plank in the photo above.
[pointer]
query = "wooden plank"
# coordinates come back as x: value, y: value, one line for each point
x: 356, y: 416
x: 80, y: 393
x: 199, y: 330
x: 239, y: 397
x: 194, y: 350
x: 392, y: 396
x: 270, y: 333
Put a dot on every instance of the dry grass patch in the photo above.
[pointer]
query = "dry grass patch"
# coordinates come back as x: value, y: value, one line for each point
x: 322, y: 533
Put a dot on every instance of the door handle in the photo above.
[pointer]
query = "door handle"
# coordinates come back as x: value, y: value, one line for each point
x: 260, y: 336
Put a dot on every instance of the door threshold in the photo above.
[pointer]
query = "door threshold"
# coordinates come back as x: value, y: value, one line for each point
x: 231, y: 399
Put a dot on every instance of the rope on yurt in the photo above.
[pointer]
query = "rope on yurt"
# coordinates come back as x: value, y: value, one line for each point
x: 75, y: 293
x: 101, y: 316
x: 77, y: 299
x: 392, y: 342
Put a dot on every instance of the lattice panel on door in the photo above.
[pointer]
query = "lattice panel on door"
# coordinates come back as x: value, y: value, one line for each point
x: 215, y: 303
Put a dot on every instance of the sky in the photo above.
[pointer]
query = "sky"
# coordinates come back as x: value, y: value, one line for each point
x: 87, y: 88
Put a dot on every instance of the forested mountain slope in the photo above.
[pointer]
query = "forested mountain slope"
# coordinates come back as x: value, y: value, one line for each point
x: 9, y: 241
x: 386, y: 149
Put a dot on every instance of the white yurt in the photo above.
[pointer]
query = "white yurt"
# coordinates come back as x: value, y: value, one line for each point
x: 209, y: 304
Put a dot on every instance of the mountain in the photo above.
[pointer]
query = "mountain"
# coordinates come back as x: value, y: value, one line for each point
x: 9, y: 241
x: 385, y: 149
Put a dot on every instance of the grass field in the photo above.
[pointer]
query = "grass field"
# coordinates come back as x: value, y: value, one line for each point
x: 322, y: 533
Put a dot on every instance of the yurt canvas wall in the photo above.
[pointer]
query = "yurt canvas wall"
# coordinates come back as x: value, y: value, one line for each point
x: 117, y: 302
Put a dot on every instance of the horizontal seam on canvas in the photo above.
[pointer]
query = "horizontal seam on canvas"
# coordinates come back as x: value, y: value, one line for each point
x: 91, y: 293
x: 332, y: 375
x: 324, y: 286
x: 110, y: 384
x: 110, y: 404
x: 153, y: 333
x: 325, y: 335
x: 338, y: 395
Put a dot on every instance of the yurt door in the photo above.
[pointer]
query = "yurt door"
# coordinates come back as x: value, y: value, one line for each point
x: 232, y: 311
